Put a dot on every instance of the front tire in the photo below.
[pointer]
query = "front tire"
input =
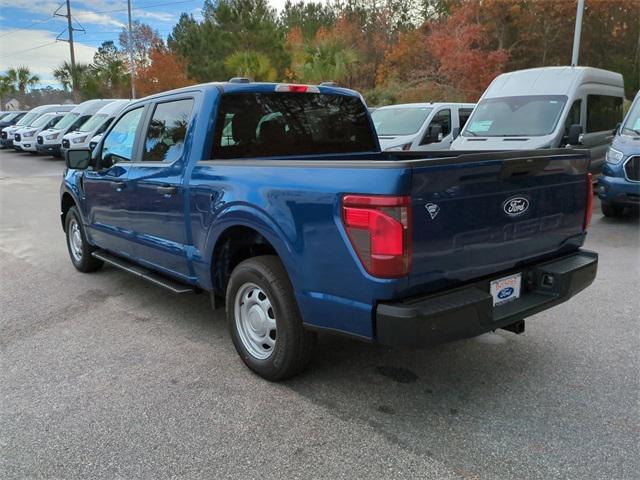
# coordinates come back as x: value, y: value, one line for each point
x: 264, y: 320
x: 79, y: 249
x: 609, y: 210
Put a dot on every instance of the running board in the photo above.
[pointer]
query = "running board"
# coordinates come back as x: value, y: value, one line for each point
x: 142, y: 272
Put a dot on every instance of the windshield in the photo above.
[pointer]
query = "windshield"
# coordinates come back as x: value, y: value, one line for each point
x: 9, y: 116
x: 399, y: 121
x: 632, y: 125
x: 93, y: 123
x: 67, y: 121
x: 525, y: 116
x: 41, y: 120
x: 27, y: 119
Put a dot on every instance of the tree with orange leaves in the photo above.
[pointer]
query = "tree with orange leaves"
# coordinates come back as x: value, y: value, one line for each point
x: 165, y: 71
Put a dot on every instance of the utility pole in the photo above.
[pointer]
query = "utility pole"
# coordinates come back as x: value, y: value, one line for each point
x: 70, y: 29
x: 576, y: 34
x: 131, y: 61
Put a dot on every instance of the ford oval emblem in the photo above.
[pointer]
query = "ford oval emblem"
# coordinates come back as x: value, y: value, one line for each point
x: 515, y: 206
x: 505, y: 293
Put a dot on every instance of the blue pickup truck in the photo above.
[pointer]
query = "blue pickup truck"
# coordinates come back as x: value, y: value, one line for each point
x: 276, y: 199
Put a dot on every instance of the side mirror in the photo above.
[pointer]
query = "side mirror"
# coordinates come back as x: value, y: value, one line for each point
x: 575, y: 135
x: 434, y: 134
x: 78, y: 159
x: 455, y: 133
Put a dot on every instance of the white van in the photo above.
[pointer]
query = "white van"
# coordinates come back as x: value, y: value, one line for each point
x: 94, y: 126
x: 50, y: 141
x: 420, y: 126
x: 24, y: 139
x: 8, y: 132
x: 547, y: 107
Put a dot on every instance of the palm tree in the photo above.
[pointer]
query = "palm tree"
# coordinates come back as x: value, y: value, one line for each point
x: 21, y: 78
x: 252, y: 64
x: 326, y: 60
x: 6, y: 88
x: 86, y: 82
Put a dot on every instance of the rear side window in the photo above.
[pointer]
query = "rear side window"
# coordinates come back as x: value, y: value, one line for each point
x: 278, y: 124
x: 604, y: 112
x: 463, y: 116
x: 167, y: 130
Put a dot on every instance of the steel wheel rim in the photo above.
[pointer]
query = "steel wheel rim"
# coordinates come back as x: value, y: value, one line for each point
x: 75, y: 240
x: 255, y: 321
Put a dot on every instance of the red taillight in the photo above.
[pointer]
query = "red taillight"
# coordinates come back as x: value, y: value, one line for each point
x: 589, y: 212
x: 379, y: 228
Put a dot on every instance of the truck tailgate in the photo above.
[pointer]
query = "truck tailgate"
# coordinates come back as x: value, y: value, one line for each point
x: 478, y: 214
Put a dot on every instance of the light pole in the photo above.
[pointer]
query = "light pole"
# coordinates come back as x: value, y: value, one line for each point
x: 576, y: 34
x: 131, y: 61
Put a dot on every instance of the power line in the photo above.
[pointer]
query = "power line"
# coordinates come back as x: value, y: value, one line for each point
x: 142, y: 7
x: 26, y: 27
x: 28, y: 49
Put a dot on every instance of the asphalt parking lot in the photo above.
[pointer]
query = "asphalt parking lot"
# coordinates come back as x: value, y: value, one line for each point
x: 107, y: 376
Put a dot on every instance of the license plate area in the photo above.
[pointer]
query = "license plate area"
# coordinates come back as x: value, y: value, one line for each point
x: 506, y: 289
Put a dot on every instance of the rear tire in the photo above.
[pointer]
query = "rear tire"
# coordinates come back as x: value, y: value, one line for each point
x: 264, y: 320
x: 79, y: 249
x: 609, y: 210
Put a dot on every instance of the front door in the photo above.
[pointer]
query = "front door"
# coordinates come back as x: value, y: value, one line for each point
x: 108, y: 198
x: 159, y: 217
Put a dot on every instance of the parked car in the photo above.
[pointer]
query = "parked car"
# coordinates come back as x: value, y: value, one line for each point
x: 96, y: 125
x: 24, y: 139
x: 6, y: 136
x: 547, y: 107
x: 277, y: 200
x: 9, y: 119
x: 49, y: 141
x: 619, y: 185
x: 420, y: 126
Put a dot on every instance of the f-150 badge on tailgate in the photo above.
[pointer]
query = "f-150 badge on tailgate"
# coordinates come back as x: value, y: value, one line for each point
x: 515, y: 206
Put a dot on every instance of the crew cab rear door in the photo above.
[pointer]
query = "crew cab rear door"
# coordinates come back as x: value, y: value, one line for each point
x: 156, y: 182
x: 478, y: 214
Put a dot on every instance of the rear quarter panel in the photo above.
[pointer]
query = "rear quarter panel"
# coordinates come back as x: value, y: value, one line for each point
x: 297, y: 209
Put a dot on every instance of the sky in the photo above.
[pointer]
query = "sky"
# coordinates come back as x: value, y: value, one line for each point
x: 28, y: 28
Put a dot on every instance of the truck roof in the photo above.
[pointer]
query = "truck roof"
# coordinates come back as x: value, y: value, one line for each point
x: 550, y: 81
x: 248, y: 87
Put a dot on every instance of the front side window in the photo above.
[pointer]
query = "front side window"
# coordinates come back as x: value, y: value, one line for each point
x: 282, y: 124
x: 573, y: 117
x: 167, y: 130
x: 442, y: 118
x: 399, y: 120
x: 522, y: 116
x: 118, y: 144
x: 463, y: 116
x: 604, y: 112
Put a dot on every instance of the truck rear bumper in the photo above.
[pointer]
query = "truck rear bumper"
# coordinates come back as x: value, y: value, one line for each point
x: 468, y: 311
